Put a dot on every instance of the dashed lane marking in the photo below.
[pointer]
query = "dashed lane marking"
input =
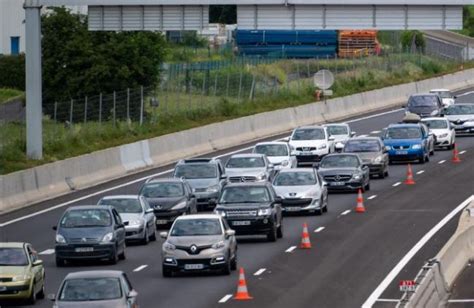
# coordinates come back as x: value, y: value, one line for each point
x: 462, y: 152
x: 47, y: 252
x: 420, y: 172
x: 291, y: 249
x: 141, y: 267
x: 319, y: 229
x: 375, y: 132
x: 388, y: 300
x: 460, y: 300
x: 396, y: 184
x: 346, y: 212
x: 372, y: 197
x: 225, y: 298
x: 259, y: 272
x: 441, y: 162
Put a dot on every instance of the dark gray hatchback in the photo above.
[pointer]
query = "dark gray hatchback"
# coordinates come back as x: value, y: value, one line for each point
x: 90, y: 232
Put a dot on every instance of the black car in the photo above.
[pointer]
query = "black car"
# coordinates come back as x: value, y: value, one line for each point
x: 169, y: 198
x: 425, y: 105
x: 90, y: 232
x: 252, y: 209
x: 344, y: 172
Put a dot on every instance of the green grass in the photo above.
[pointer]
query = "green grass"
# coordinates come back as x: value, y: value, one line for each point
x: 9, y: 94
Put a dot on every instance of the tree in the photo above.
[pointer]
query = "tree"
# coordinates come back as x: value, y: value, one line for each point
x: 413, y: 40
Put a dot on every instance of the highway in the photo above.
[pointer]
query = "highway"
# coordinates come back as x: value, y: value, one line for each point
x: 351, y: 255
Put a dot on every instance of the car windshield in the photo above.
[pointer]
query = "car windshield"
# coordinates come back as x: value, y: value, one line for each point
x: 295, y: 179
x: 338, y: 130
x: 423, y: 101
x: 196, y: 227
x: 13, y: 257
x: 340, y: 161
x: 90, y: 289
x: 403, y: 133
x: 86, y: 218
x: 309, y: 134
x: 245, y: 162
x: 357, y: 146
x: 196, y: 171
x: 460, y: 110
x: 124, y: 205
x: 272, y: 149
x: 443, y: 94
x: 436, y: 124
x: 244, y: 194
x: 162, y: 190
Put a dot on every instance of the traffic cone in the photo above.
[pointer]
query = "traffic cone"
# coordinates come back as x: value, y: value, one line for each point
x: 409, y: 180
x: 305, y: 242
x: 456, y: 158
x: 360, y: 208
x: 242, y: 292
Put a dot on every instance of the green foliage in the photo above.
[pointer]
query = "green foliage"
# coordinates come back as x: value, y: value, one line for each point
x: 12, y: 72
x: 468, y: 20
x: 9, y: 94
x: 413, y: 40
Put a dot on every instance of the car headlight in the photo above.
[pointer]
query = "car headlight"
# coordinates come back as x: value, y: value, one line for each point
x: 179, y: 206
x: 339, y: 144
x: 443, y: 135
x: 168, y: 246
x: 434, y: 112
x: 261, y: 177
x: 135, y: 222
x: 311, y: 194
x: 108, y: 237
x: 60, y: 239
x: 388, y: 148
x: 213, y: 189
x: 220, y: 212
x: 378, y: 159
x: 322, y: 146
x: 285, y: 163
x: 218, y: 245
x: 264, y: 212
x: 416, y: 146
x: 357, y: 176
x: 19, y: 278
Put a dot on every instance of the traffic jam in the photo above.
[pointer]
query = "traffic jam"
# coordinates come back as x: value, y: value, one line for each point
x: 203, y: 209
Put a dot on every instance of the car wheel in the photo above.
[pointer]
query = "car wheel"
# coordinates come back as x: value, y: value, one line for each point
x: 427, y: 159
x: 32, y: 298
x: 146, y: 239
x: 122, y: 256
x: 227, y: 268
x: 422, y: 160
x: 272, y: 235
x: 233, y: 263
x: 167, y: 272
x: 367, y: 187
x: 390, y: 162
x: 41, y: 293
x: 153, y: 236
x: 60, y: 262
x: 325, y: 208
x: 114, y: 259
x: 280, y: 230
x: 381, y: 174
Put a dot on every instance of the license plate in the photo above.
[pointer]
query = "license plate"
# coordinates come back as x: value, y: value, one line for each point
x: 241, y: 223
x: 292, y: 208
x: 306, y: 153
x: 193, y: 266
x: 401, y: 152
x: 3, y: 288
x: 84, y: 249
x: 161, y: 222
x: 337, y: 183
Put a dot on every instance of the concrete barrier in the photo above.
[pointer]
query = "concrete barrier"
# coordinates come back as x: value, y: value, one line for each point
x: 22, y: 188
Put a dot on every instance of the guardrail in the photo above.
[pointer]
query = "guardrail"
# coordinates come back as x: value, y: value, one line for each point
x: 19, y: 189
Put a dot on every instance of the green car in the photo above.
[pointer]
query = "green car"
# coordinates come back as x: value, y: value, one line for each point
x: 21, y: 273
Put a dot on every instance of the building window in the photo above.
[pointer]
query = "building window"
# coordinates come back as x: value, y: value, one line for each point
x: 15, y: 45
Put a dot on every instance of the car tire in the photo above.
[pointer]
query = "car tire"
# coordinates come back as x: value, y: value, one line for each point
x: 166, y: 272
x: 41, y: 293
x: 325, y: 208
x: 386, y: 173
x: 32, y: 298
x: 146, y: 238
x: 422, y: 160
x: 390, y: 162
x: 153, y: 236
x: 280, y: 230
x: 114, y: 259
x: 122, y: 256
x: 227, y: 268
x: 233, y: 263
x: 60, y: 262
x: 272, y: 235
x: 381, y: 174
x: 367, y: 187
x: 427, y: 158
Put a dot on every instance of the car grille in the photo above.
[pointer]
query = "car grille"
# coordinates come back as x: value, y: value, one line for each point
x: 306, y: 149
x: 401, y: 147
x: 297, y: 202
x: 238, y: 179
x: 196, y: 252
x: 85, y: 240
x: 6, y: 279
x: 200, y: 189
x: 459, y: 122
x: 242, y: 213
x: 337, y: 178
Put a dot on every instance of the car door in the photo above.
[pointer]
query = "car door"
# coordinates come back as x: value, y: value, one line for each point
x: 276, y: 206
x: 119, y: 229
x: 192, y: 202
x: 324, y: 189
x: 36, y: 271
x: 149, y: 215
x: 232, y: 240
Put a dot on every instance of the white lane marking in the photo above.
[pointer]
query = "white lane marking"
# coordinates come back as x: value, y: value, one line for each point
x: 141, y: 267
x: 372, y: 197
x: 466, y: 93
x: 462, y: 152
x: 346, y: 212
x: 388, y: 300
x: 362, y: 136
x: 420, y: 172
x: 441, y: 162
x: 259, y: 272
x: 319, y: 229
x: 410, y: 254
x: 460, y: 300
x: 225, y: 298
x: 47, y: 252
x: 375, y: 132
x: 396, y: 184
x: 290, y: 249
x: 153, y: 175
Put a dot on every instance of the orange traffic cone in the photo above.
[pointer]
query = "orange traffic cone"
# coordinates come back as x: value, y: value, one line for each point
x: 409, y: 180
x: 360, y: 208
x: 242, y: 292
x: 456, y: 158
x: 305, y: 242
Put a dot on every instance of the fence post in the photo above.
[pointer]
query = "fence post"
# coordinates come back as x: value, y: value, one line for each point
x: 215, y: 83
x: 190, y: 92
x: 85, y: 110
x: 298, y: 72
x: 128, y: 104
x: 240, y: 86
x: 115, y: 105
x: 100, y: 108
x: 71, y: 111
x: 252, y: 88
x: 141, y: 105
x: 55, y: 112
x: 307, y: 68
x: 228, y: 80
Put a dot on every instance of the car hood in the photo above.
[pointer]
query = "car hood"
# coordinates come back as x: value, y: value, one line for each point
x: 92, y: 232
x: 307, y: 143
x: 368, y: 156
x: 422, y: 109
x: 340, y: 138
x: 130, y: 216
x: 439, y: 131
x: 164, y: 203
x: 202, y: 183
x: 14, y: 270
x: 195, y: 240
x: 116, y: 303
x: 244, y: 171
x: 462, y: 117
x: 295, y: 191
x: 402, y: 141
x: 448, y: 101
x: 334, y: 171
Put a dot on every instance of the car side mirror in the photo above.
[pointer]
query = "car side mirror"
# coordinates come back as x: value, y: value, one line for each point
x: 192, y: 196
x: 278, y: 200
x: 353, y: 134
x: 119, y: 226
x: 271, y: 166
x: 149, y: 211
x: 365, y: 166
x: 55, y: 228
x: 37, y: 263
x: 404, y: 106
x: 455, y: 96
x: 324, y: 183
x: 224, y: 177
x: 316, y: 166
x: 132, y: 294
x: 229, y: 233
x: 164, y: 235
x: 331, y: 138
x: 126, y: 223
x: 52, y: 297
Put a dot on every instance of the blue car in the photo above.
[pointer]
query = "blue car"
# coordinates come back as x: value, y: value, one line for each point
x: 408, y: 142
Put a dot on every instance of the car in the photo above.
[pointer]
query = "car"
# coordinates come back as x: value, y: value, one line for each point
x: 96, y: 289
x: 372, y: 152
x: 462, y: 118
x: 93, y: 232
x: 408, y: 142
x: 21, y: 273
x: 206, y: 176
x: 169, y: 198
x: 443, y: 130
x: 301, y: 190
x: 197, y: 243
x: 136, y: 214
x: 341, y: 133
x: 278, y: 153
x: 249, y: 168
x: 344, y: 172
x: 424, y: 105
x: 446, y: 96
x: 252, y: 209
x: 311, y: 143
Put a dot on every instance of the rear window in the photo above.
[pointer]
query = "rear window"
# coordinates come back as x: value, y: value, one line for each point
x: 403, y: 133
x: 272, y: 149
x: 245, y: 162
x: 357, y: 146
x: 86, y: 218
x: 423, y: 101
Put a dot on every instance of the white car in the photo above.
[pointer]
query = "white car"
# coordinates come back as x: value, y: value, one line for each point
x: 311, y: 143
x: 461, y: 117
x: 278, y: 153
x: 443, y: 131
x: 341, y: 133
x: 446, y: 96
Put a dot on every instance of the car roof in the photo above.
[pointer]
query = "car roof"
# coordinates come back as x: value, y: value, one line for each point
x: 310, y: 126
x: 424, y: 94
x: 272, y: 143
x: 12, y: 245
x: 202, y: 160
x: 433, y: 118
x: 88, y: 207
x: 291, y: 170
x: 247, y: 155
x: 121, y: 197
x: 164, y: 180
x: 335, y: 124
x: 405, y: 125
x: 440, y: 90
x: 94, y: 274
x: 359, y: 138
x: 198, y: 216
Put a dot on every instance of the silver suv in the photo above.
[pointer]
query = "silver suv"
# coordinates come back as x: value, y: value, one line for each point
x: 202, y: 242
x: 249, y: 168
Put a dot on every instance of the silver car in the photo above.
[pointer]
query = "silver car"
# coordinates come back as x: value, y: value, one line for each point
x: 278, y: 153
x: 136, y: 214
x: 248, y: 168
x: 202, y: 242
x: 95, y: 289
x: 301, y: 190
x: 341, y: 132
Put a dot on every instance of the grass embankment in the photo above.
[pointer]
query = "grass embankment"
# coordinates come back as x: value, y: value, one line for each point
x: 356, y: 76
x: 7, y: 95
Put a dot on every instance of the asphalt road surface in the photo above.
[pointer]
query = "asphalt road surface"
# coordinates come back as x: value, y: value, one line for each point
x: 352, y: 253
